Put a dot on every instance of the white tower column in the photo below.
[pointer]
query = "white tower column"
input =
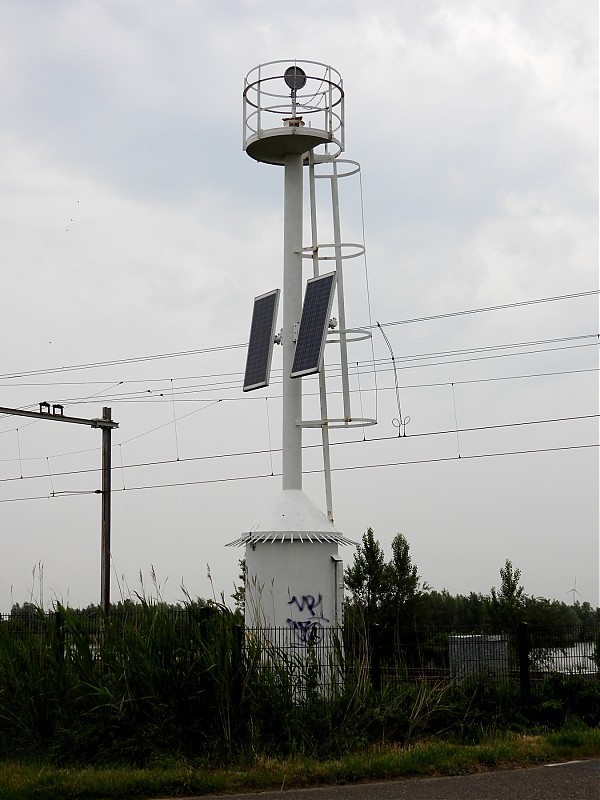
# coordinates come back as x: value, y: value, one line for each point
x: 294, y: 575
x: 292, y: 310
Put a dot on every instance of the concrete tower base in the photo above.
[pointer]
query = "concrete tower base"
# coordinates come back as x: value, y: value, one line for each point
x: 294, y: 573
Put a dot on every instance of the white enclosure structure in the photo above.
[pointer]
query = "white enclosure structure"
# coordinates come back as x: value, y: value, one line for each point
x: 294, y: 573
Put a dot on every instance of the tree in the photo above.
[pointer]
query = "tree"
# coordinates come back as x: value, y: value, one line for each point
x: 587, y: 615
x: 506, y: 607
x: 239, y: 595
x: 403, y: 574
x: 403, y: 581
x: 384, y: 592
x: 367, y: 577
x: 25, y: 611
x: 510, y: 590
x: 559, y: 620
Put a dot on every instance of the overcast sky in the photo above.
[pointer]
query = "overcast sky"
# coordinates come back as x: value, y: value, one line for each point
x: 134, y: 226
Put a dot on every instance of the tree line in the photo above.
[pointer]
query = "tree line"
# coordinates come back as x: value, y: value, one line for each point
x: 391, y: 593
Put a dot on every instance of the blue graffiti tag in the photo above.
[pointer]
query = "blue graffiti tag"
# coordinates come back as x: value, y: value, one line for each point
x: 308, y: 631
x: 309, y: 602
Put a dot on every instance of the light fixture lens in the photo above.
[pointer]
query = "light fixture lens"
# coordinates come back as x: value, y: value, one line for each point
x: 295, y: 77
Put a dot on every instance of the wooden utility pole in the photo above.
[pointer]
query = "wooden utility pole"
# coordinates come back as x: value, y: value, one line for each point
x: 106, y: 486
x: 56, y: 414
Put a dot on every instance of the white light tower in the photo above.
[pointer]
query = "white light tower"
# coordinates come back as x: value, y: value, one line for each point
x: 294, y: 573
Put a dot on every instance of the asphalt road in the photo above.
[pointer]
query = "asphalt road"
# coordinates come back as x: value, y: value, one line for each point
x: 575, y: 780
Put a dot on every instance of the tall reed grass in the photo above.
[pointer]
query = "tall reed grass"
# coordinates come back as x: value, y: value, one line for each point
x: 191, y: 684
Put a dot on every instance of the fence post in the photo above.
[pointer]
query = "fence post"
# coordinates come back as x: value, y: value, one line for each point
x: 523, y: 647
x: 236, y: 659
x: 375, y: 636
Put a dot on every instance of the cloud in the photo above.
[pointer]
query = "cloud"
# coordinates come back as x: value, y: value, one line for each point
x: 134, y: 224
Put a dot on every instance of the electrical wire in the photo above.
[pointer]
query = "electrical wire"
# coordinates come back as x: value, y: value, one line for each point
x: 501, y: 307
x: 214, y: 456
x: 184, y: 399
x: 156, y: 395
x: 435, y: 384
x: 234, y: 377
x: 184, y: 393
x: 443, y: 459
x: 119, y: 361
x: 221, y: 348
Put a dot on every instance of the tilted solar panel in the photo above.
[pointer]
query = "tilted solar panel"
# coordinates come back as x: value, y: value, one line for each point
x: 260, y: 346
x: 314, y: 321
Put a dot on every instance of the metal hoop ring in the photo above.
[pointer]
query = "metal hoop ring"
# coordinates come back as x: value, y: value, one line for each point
x: 309, y: 252
x: 337, y: 422
x: 352, y: 335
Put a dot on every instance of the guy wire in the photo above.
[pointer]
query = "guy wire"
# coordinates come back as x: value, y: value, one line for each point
x: 368, y: 290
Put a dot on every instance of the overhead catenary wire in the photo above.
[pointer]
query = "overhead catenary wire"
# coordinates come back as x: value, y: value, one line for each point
x: 239, y: 454
x: 164, y: 395
x: 167, y: 424
x: 221, y: 348
x: 120, y: 361
x: 410, y: 462
x: 418, y: 385
x: 235, y: 376
x: 500, y: 307
x: 146, y: 398
x: 183, y: 393
x: 434, y: 384
x: 494, y: 378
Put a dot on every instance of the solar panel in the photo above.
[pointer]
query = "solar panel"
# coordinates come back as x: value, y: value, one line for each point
x: 313, y: 325
x: 260, y: 346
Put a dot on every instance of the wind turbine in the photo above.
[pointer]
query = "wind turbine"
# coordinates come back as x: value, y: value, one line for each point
x: 574, y: 591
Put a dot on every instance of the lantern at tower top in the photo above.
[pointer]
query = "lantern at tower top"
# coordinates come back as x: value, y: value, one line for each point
x: 292, y: 108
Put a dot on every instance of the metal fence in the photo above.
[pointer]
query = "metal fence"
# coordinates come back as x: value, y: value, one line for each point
x: 565, y: 651
x: 331, y: 655
x: 525, y: 653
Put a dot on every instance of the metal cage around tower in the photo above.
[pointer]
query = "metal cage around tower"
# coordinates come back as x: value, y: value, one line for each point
x: 292, y: 107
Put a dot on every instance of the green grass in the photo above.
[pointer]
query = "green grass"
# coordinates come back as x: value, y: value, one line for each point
x: 23, y: 781
x: 171, y: 705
